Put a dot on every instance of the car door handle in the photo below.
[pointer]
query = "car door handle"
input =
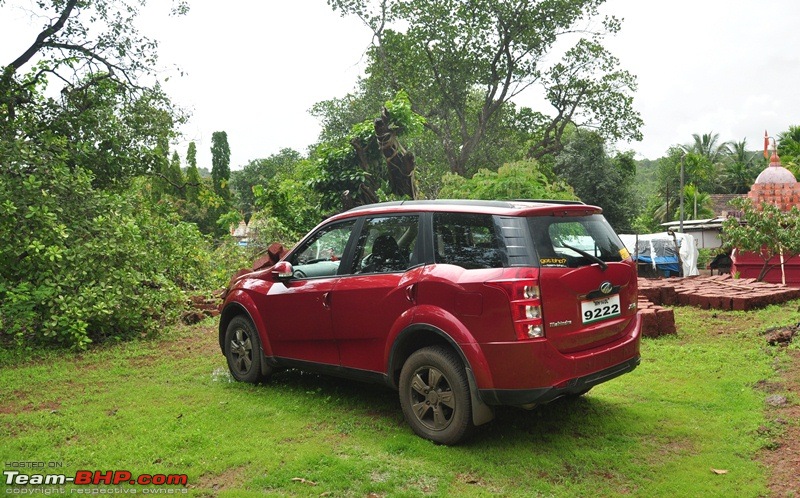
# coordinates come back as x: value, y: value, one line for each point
x: 326, y: 300
x: 411, y: 293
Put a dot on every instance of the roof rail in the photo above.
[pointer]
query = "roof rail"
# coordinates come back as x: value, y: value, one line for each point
x: 550, y: 201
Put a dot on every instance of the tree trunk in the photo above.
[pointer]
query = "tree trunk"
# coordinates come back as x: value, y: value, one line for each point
x: 399, y: 162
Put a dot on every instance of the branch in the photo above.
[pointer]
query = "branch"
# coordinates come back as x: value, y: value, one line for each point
x: 44, y: 35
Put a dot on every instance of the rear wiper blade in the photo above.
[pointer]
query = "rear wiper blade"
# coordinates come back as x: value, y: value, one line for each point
x: 589, y: 256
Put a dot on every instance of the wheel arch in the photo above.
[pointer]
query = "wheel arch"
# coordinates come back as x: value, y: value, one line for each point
x: 239, y: 303
x: 422, y: 335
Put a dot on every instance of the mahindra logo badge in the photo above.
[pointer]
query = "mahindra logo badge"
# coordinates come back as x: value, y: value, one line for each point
x: 606, y: 287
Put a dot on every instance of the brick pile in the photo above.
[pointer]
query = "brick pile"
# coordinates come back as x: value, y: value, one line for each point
x: 720, y: 292
x: 200, y: 308
x: 656, y: 321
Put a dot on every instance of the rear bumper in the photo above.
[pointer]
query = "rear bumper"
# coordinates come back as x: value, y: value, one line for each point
x: 518, y: 397
x: 535, y: 372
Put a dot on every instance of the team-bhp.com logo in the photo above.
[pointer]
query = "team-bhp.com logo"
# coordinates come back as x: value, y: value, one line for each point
x: 88, y: 477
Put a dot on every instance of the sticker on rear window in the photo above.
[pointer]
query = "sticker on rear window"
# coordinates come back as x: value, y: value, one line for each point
x: 624, y: 253
x: 553, y: 262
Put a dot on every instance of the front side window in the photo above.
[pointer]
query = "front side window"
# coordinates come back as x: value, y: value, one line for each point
x: 320, y: 255
x: 466, y: 240
x: 387, y: 244
x: 572, y: 242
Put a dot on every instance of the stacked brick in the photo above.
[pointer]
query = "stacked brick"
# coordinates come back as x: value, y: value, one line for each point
x: 720, y: 292
x: 200, y: 308
x: 656, y: 321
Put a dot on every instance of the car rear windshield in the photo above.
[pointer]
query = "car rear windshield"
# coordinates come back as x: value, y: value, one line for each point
x: 574, y: 241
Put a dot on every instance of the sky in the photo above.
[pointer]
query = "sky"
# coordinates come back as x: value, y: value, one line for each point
x: 254, y: 68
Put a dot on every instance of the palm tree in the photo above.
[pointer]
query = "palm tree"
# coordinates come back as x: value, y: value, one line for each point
x: 709, y: 157
x: 742, y: 169
x: 706, y: 145
x: 789, y: 149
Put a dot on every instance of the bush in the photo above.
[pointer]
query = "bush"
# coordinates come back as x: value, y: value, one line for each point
x: 519, y: 180
x: 80, y: 265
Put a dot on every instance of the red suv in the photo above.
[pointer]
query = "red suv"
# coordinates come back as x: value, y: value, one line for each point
x: 459, y: 305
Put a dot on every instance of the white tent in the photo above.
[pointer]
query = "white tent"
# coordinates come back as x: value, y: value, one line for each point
x: 659, y: 250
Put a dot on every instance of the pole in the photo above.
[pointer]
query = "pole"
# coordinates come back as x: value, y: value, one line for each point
x: 681, y: 194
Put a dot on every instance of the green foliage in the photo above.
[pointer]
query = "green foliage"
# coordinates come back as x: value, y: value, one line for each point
x: 520, y: 180
x: 288, y: 207
x: 194, y: 183
x: 351, y: 169
x: 81, y: 265
x: 789, y: 149
x: 221, y: 164
x: 462, y: 62
x: 598, y: 179
x: 767, y: 231
x: 259, y: 172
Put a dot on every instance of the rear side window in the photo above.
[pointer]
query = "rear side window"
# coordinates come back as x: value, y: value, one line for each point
x: 387, y: 244
x: 466, y: 240
x: 572, y: 242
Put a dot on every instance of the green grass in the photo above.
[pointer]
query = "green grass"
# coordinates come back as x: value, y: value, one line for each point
x: 168, y: 406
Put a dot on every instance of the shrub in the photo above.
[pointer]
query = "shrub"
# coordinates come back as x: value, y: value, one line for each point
x: 80, y: 265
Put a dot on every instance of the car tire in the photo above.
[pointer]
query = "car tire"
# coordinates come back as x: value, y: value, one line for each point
x: 243, y: 351
x: 435, y: 396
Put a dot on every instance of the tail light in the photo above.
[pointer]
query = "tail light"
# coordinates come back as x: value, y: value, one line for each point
x: 524, y: 295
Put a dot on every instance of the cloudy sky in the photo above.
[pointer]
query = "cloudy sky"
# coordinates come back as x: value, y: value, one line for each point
x: 254, y: 68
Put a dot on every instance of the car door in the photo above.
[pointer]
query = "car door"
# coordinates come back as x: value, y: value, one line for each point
x: 377, y: 291
x: 298, y: 315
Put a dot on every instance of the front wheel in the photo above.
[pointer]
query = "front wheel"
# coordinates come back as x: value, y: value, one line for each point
x: 243, y: 350
x: 435, y: 397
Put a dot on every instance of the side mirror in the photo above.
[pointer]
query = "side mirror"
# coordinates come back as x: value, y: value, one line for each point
x: 282, y: 271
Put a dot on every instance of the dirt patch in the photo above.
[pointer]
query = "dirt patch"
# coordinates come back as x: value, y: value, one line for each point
x: 214, y: 483
x: 783, y: 457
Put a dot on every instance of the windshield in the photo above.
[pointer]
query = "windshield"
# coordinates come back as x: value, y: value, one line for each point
x: 572, y: 242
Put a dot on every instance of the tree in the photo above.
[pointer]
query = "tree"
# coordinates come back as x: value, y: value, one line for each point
x: 193, y: 180
x: 708, y: 145
x: 766, y: 231
x: 221, y: 164
x: 80, y: 264
x: 789, y: 149
x: 370, y: 162
x: 462, y: 61
x: 286, y: 207
x: 94, y: 55
x: 741, y: 170
x: 260, y: 172
x: 519, y: 180
x: 598, y: 179
x: 175, y: 175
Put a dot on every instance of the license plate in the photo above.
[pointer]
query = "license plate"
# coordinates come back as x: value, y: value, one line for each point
x: 600, y: 309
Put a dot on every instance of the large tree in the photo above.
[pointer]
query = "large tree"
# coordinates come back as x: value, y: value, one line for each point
x: 260, y: 172
x: 221, y: 164
x: 597, y: 178
x: 91, y: 51
x: 462, y: 61
x: 741, y: 169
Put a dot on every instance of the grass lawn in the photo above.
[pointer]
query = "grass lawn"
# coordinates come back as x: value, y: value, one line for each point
x: 689, y: 421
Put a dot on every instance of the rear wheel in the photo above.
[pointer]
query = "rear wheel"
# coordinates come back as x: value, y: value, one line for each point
x: 434, y: 395
x: 243, y: 350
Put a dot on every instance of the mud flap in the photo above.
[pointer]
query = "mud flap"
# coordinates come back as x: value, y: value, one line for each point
x: 481, y: 412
